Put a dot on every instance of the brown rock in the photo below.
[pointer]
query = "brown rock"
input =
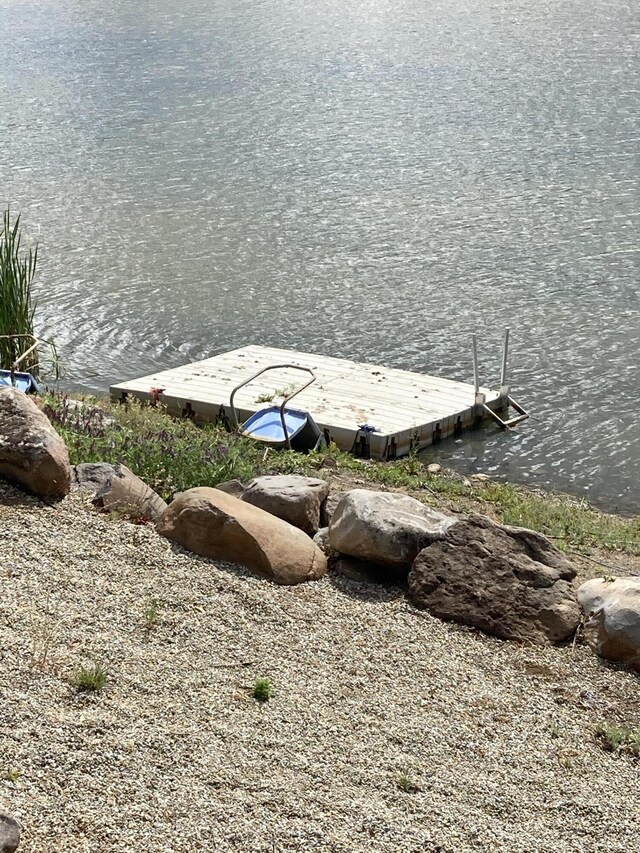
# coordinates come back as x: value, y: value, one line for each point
x: 9, y: 833
x: 321, y: 539
x: 124, y: 491
x: 214, y: 524
x: 291, y: 497
x: 31, y: 451
x: 507, y: 581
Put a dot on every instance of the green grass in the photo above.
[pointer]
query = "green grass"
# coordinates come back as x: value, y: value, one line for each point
x: 151, y: 615
x: 174, y: 455
x: 170, y: 455
x: 17, y: 306
x: 89, y: 679
x: 570, y: 522
x: 405, y: 784
x: 12, y: 775
x: 618, y: 738
x: 262, y: 690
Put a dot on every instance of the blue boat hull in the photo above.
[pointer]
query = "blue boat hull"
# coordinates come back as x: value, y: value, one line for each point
x: 266, y: 426
x: 22, y: 381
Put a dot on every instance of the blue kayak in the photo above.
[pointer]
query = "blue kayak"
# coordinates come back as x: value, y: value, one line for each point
x: 22, y: 381
x: 266, y: 425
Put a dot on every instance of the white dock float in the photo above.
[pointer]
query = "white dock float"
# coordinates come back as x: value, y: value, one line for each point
x: 407, y: 410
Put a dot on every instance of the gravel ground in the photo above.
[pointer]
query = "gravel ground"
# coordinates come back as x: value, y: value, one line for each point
x: 494, y: 741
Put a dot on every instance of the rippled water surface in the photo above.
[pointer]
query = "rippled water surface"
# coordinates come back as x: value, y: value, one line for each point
x: 372, y: 180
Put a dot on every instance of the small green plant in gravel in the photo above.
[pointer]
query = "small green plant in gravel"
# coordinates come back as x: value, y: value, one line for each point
x: 406, y: 784
x: 618, y: 738
x: 151, y: 615
x: 262, y: 690
x: 90, y: 679
x: 12, y: 775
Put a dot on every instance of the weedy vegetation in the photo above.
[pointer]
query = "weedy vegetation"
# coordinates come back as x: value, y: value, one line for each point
x: 17, y: 307
x: 405, y: 784
x: 90, y: 679
x: 151, y: 615
x: 618, y: 738
x: 11, y: 774
x: 262, y: 690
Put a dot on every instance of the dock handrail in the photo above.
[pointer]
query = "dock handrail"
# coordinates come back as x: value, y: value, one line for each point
x: 34, y: 346
x: 234, y: 414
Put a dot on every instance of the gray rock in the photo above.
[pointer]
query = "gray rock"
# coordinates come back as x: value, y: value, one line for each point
x: 92, y: 476
x: 231, y: 487
x: 31, y: 451
x: 506, y: 581
x: 613, y: 609
x: 384, y: 527
x: 434, y: 468
x: 329, y: 507
x: 92, y: 413
x: 214, y: 524
x: 9, y: 833
x: 321, y: 539
x: 125, y: 492
x: 292, y: 498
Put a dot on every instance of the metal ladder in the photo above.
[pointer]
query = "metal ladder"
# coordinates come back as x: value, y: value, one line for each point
x: 522, y: 415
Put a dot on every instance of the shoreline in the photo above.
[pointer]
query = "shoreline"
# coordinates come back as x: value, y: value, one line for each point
x: 172, y: 455
x: 605, y: 505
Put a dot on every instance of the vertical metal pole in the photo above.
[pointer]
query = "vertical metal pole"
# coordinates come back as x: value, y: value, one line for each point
x: 476, y: 381
x: 505, y: 354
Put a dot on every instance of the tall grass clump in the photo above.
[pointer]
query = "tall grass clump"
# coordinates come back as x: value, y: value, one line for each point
x: 17, y: 306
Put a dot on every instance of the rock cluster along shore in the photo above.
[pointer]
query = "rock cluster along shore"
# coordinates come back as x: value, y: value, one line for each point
x: 509, y: 582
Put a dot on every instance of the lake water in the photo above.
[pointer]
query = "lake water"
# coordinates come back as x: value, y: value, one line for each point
x: 373, y: 180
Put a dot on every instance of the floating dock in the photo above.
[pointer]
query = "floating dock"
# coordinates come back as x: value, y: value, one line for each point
x: 368, y: 409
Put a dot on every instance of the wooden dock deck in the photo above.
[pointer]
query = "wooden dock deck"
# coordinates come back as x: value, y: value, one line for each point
x: 407, y: 410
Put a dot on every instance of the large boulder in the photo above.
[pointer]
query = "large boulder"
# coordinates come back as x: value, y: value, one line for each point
x: 120, y: 490
x: 9, y: 833
x: 31, y: 451
x: 613, y: 608
x: 291, y: 497
x: 384, y: 527
x: 507, y: 581
x: 214, y: 524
